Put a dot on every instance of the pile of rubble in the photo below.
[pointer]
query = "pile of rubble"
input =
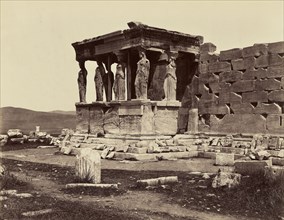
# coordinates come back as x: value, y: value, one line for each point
x: 179, y: 146
x: 16, y: 136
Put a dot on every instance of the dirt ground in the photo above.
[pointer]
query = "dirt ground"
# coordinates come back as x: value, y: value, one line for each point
x: 45, y: 173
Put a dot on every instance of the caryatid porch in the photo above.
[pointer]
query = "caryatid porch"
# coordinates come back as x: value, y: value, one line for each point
x: 172, y: 63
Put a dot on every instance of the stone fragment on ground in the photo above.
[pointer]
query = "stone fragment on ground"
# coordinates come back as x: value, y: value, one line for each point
x: 226, y: 179
x: 37, y: 213
x: 92, y: 185
x: 225, y: 159
x: 157, y: 181
x: 88, y: 165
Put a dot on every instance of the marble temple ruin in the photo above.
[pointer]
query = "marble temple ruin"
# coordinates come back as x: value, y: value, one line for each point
x: 167, y: 82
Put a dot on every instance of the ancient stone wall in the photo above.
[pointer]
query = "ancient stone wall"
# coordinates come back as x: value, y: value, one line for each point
x: 238, y: 90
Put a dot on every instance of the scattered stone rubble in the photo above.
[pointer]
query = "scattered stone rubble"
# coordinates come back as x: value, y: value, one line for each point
x: 16, y: 136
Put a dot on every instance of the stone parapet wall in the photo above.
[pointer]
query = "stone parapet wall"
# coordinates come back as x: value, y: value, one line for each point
x: 239, y: 90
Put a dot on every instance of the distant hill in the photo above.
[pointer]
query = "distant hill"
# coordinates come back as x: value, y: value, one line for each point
x: 64, y: 112
x: 26, y: 120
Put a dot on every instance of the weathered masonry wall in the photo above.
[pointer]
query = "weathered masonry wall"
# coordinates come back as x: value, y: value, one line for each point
x: 236, y: 91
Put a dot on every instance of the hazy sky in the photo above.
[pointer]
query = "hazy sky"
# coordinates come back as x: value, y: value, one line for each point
x: 38, y: 67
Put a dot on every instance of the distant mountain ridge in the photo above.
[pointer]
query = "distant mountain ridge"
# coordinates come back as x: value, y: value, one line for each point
x: 26, y: 120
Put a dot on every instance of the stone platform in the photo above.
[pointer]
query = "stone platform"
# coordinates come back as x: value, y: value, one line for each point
x: 135, y: 117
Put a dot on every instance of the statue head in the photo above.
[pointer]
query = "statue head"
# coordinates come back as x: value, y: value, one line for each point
x: 142, y: 54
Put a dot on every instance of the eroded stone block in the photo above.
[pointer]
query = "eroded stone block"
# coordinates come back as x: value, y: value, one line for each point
x: 276, y: 96
x: 267, y: 84
x: 256, y: 96
x: 275, y: 71
x: 243, y: 86
x: 238, y: 64
x: 229, y: 97
x: 242, y: 123
x: 202, y: 68
x: 275, y: 60
x: 207, y: 47
x: 206, y: 57
x: 251, y: 166
x: 277, y: 47
x: 208, y: 78
x: 219, y: 67
x: 231, y: 54
x: 249, y: 63
x: 275, y: 123
x: 83, y: 119
x: 255, y: 51
x: 230, y: 76
x: 262, y: 61
x: 96, y: 120
x: 255, y: 74
x: 263, y: 108
x: 213, y: 109
x: 242, y: 108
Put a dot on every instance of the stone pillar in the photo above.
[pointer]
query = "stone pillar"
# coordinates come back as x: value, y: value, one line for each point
x: 192, y: 127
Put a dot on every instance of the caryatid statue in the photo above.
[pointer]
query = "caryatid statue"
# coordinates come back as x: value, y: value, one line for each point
x: 142, y: 75
x: 82, y: 81
x: 119, y: 83
x: 170, y: 83
x: 100, y: 73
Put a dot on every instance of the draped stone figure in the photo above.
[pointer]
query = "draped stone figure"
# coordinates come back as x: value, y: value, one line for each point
x: 119, y: 83
x: 142, y: 75
x: 170, y: 83
x: 100, y: 73
x: 82, y: 81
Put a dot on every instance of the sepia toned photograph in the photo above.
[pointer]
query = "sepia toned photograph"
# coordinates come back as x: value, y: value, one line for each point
x: 142, y: 110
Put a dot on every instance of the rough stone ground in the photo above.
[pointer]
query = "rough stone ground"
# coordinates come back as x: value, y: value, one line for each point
x: 47, y: 175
